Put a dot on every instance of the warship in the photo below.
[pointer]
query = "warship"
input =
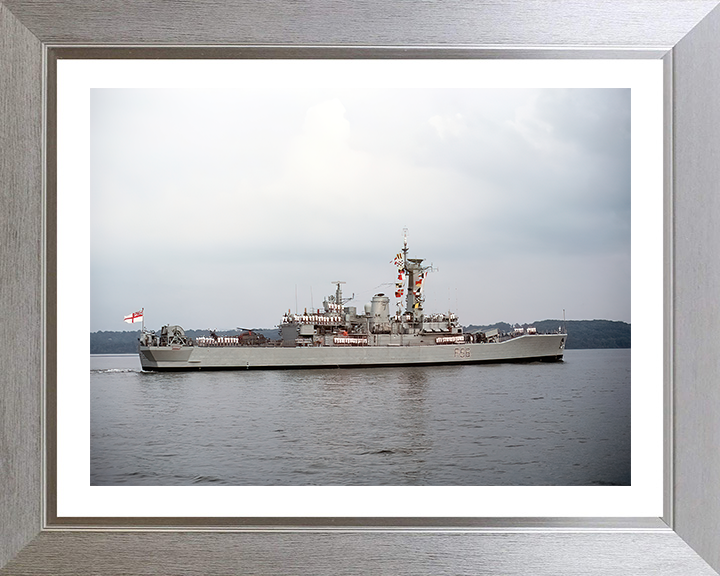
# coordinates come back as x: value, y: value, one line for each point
x: 339, y: 336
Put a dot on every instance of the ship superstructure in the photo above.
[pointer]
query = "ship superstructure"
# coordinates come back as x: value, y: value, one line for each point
x: 338, y: 335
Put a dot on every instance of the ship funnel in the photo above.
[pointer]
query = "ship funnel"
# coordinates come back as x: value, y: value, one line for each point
x: 380, y: 313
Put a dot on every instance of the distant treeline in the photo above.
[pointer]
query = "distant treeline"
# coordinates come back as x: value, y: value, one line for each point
x: 581, y: 334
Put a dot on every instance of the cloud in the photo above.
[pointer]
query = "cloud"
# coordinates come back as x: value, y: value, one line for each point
x: 448, y: 126
x: 223, y: 202
x: 325, y: 125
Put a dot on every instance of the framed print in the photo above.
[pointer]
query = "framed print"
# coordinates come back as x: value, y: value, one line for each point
x: 36, y: 41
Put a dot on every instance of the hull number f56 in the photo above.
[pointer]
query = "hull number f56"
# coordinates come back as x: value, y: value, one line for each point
x: 462, y: 352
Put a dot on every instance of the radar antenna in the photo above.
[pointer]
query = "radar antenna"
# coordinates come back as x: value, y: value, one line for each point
x: 338, y: 293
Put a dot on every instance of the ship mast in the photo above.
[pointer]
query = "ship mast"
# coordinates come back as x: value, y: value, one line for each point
x: 413, y: 269
x: 338, y: 293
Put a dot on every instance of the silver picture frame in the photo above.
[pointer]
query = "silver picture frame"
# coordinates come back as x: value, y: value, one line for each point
x: 685, y: 34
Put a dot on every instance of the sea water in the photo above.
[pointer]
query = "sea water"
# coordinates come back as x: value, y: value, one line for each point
x: 542, y: 424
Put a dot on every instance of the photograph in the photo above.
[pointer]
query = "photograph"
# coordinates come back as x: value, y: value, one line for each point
x: 360, y: 287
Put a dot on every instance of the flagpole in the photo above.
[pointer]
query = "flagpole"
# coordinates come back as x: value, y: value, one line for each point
x: 142, y: 311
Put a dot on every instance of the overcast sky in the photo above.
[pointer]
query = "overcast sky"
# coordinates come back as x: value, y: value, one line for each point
x: 214, y: 209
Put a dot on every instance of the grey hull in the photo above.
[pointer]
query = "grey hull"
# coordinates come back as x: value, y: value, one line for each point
x: 548, y: 347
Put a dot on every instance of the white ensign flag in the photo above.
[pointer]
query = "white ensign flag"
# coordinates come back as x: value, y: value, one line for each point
x: 134, y: 317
